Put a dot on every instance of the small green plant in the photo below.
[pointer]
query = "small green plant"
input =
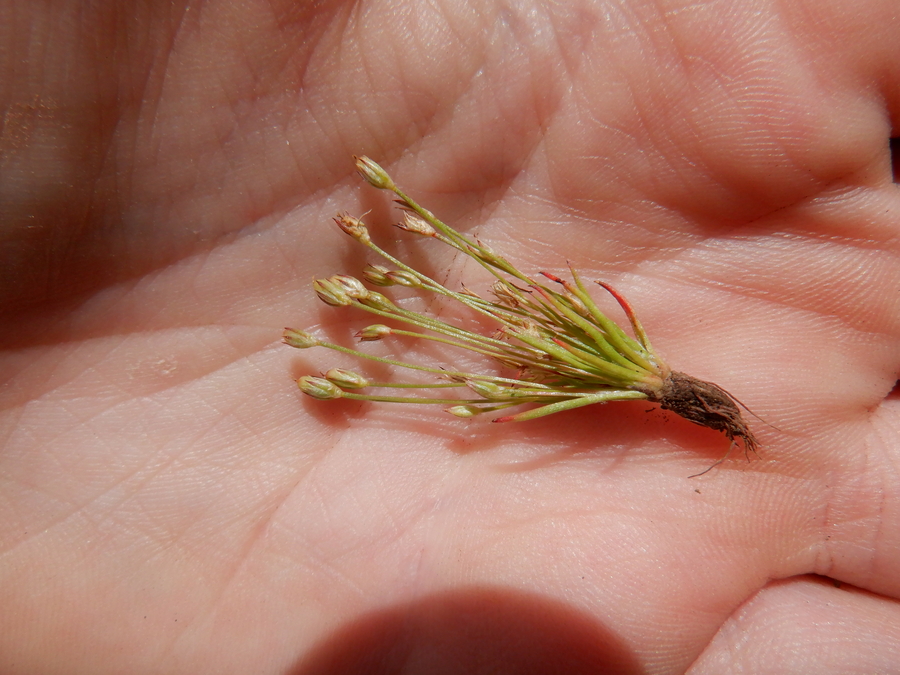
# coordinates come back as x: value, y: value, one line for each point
x: 560, y: 350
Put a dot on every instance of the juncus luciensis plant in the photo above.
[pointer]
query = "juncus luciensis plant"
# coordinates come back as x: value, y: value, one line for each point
x: 558, y: 349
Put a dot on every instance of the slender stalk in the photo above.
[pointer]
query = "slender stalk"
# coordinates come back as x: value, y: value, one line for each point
x: 565, y: 351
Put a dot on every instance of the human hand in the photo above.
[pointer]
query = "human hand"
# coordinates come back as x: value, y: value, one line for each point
x: 171, y: 503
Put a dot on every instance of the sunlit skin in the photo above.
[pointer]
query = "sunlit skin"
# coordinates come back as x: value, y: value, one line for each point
x: 171, y: 503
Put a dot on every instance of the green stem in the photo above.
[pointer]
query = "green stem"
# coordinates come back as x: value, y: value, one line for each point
x: 438, y: 371
x: 596, y: 336
x: 613, y: 374
x: 600, y: 397
x: 616, y: 335
x: 412, y: 385
x: 409, y: 399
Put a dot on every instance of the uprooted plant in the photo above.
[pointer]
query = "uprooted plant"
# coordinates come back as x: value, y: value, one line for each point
x: 561, y: 350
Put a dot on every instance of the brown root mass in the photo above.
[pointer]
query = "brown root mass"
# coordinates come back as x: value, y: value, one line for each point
x: 706, y: 404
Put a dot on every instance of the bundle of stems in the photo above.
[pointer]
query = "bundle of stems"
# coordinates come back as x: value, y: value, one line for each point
x: 560, y: 350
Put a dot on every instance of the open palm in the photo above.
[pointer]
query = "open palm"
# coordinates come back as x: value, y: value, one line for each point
x: 171, y: 503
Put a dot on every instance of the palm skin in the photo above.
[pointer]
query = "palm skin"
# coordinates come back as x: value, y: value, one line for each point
x: 171, y: 503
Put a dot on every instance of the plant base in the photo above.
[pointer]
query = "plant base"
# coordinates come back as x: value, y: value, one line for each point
x: 706, y: 404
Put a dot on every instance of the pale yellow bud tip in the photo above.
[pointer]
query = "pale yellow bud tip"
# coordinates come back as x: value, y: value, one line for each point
x: 374, y: 174
x: 353, y: 226
x: 331, y: 293
x: 346, y: 379
x: 298, y: 338
x: 463, y: 411
x: 318, y: 387
x: 352, y: 286
x: 416, y: 224
x: 404, y: 278
x: 374, y: 332
x: 375, y: 274
x: 488, y: 390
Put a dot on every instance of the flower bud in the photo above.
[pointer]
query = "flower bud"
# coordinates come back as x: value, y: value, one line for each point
x: 374, y: 174
x: 376, y: 275
x: 354, y: 227
x: 464, y: 411
x: 374, y: 332
x: 318, y: 387
x: 298, y: 338
x: 504, y: 294
x: 523, y: 327
x: 404, y: 278
x: 377, y: 301
x: 488, y: 390
x: 352, y: 286
x: 413, y: 222
x: 331, y: 293
x: 346, y: 379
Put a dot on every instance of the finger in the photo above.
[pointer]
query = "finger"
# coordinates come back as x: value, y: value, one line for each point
x: 807, y: 625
